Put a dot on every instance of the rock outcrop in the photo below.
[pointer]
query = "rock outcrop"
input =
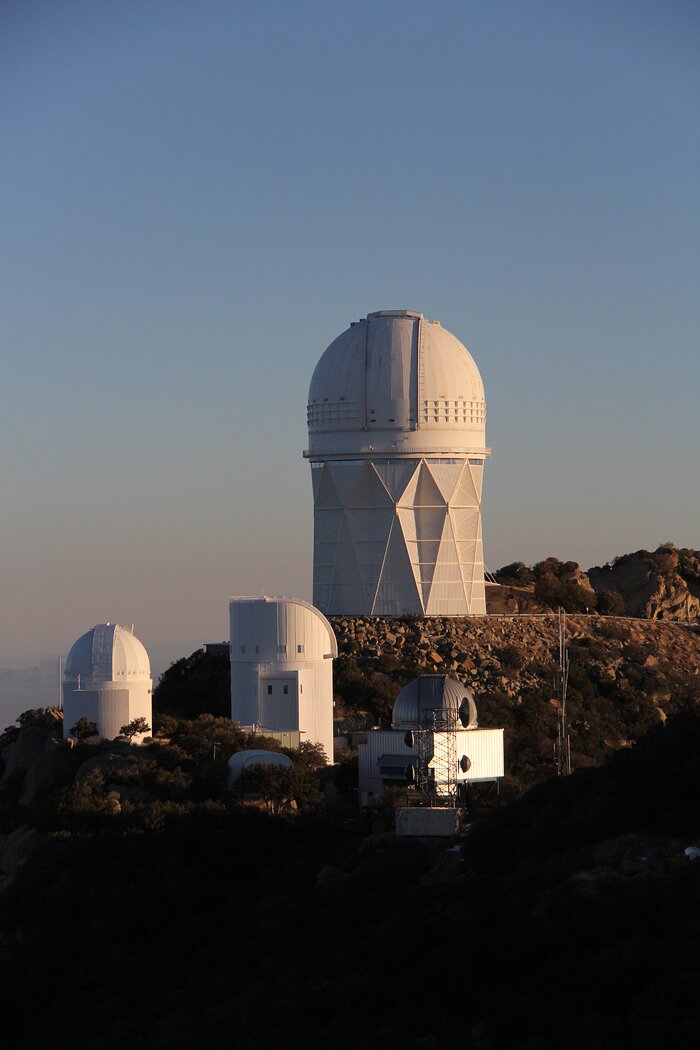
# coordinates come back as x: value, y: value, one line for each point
x: 53, y: 768
x: 663, y: 585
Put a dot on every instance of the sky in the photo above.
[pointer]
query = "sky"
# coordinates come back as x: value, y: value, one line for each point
x: 199, y: 196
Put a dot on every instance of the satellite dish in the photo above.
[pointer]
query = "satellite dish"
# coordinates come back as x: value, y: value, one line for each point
x: 408, y: 739
x: 410, y: 774
x: 465, y: 763
x: 467, y: 713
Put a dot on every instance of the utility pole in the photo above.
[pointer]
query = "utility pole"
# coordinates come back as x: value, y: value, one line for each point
x: 563, y: 744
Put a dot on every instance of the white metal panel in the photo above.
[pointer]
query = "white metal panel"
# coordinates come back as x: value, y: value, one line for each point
x: 244, y: 691
x: 337, y: 393
x: 391, y: 372
x: 279, y: 703
x: 129, y: 657
x: 316, y: 706
x: 114, y: 711
x: 79, y: 703
x: 484, y: 748
x: 102, y: 649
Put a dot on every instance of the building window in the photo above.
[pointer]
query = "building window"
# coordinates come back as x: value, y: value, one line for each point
x: 242, y: 649
x: 286, y: 690
x: 257, y: 648
x: 269, y: 690
x: 300, y: 648
x: 281, y: 649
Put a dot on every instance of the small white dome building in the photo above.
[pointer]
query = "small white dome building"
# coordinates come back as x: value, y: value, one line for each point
x: 242, y: 761
x: 397, y: 445
x: 434, y: 719
x: 107, y: 679
x: 282, y: 652
x: 434, y: 700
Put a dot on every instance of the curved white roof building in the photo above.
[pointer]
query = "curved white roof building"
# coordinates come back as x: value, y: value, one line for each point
x: 282, y: 652
x: 397, y: 445
x: 107, y: 679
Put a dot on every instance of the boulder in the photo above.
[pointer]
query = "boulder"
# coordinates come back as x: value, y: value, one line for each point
x: 104, y: 762
x: 26, y: 749
x: 52, y: 769
x: 18, y: 849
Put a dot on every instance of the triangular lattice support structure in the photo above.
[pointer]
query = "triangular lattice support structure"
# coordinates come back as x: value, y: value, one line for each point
x: 397, y: 537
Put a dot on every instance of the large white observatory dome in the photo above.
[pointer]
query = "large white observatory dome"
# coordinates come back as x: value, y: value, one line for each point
x: 397, y: 444
x: 107, y: 679
x: 402, y: 384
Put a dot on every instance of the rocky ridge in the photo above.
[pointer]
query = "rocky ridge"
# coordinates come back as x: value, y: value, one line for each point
x: 509, y: 652
x: 656, y: 585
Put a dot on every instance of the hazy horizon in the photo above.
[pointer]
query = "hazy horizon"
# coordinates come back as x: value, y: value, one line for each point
x: 202, y: 196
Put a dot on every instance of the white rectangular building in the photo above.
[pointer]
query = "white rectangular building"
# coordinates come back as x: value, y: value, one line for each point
x: 282, y: 652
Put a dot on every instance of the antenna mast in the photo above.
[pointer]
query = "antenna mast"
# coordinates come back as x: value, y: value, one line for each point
x: 563, y: 744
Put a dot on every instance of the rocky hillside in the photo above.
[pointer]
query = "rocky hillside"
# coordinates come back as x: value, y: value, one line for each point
x: 626, y: 676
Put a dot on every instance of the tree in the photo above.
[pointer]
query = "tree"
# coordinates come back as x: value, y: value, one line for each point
x: 196, y: 684
x: 516, y: 574
x: 136, y: 727
x: 279, y: 788
x: 83, y: 729
x: 610, y: 603
x: 568, y: 594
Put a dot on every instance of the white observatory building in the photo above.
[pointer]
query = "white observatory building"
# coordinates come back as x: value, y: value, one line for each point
x: 434, y: 733
x: 397, y: 421
x: 282, y: 652
x: 107, y: 679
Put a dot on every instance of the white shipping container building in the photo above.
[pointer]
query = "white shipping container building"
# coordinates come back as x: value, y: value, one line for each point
x: 282, y: 652
x: 107, y: 679
x: 477, y: 754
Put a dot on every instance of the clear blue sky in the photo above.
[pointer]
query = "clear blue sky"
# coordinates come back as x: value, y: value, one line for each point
x: 197, y: 197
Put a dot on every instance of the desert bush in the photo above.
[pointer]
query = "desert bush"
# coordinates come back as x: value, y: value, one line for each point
x: 619, y: 632
x: 512, y: 657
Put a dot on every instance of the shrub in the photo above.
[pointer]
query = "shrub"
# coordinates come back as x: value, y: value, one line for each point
x: 618, y: 632
x: 512, y: 657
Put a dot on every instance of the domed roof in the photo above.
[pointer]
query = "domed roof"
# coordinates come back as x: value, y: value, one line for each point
x: 450, y: 701
x: 108, y: 653
x: 399, y: 383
